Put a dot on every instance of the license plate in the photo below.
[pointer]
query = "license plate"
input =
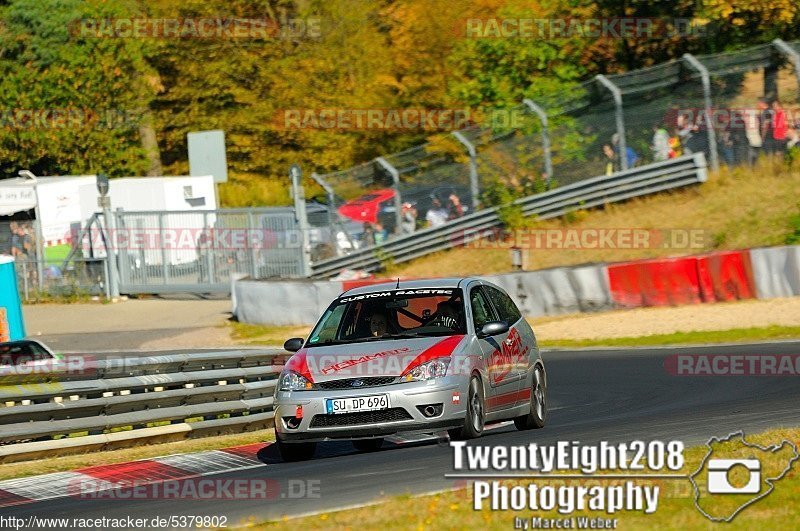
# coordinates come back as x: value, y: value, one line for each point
x: 354, y: 404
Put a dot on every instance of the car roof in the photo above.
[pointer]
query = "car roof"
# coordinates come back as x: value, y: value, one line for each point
x: 452, y: 282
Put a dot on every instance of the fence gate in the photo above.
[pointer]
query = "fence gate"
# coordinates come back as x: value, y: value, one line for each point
x: 198, y: 252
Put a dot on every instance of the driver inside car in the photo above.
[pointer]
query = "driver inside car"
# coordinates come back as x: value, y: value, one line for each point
x: 378, y: 325
x: 447, y: 315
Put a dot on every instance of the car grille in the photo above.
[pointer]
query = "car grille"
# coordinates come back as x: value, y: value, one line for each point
x: 348, y: 383
x: 366, y: 417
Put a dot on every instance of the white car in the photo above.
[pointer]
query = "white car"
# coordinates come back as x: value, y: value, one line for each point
x: 411, y: 356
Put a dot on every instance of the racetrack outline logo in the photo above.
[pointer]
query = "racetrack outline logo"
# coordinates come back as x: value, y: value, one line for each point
x: 714, y: 472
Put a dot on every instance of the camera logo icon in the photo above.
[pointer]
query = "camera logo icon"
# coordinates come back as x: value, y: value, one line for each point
x: 719, y: 481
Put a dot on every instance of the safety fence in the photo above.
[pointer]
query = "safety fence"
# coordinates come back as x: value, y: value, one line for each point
x: 79, y: 403
x: 706, y: 104
x: 644, y: 180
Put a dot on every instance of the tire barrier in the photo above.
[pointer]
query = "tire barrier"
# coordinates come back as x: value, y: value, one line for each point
x: 776, y: 271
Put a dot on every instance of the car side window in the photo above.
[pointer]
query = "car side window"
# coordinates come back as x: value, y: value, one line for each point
x: 481, y: 309
x: 504, y: 305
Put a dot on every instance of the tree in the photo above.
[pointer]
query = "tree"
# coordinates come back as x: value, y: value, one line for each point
x: 72, y: 102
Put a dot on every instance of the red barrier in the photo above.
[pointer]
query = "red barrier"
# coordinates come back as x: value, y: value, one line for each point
x: 667, y: 282
x: 716, y: 277
x: 350, y: 284
x: 726, y: 276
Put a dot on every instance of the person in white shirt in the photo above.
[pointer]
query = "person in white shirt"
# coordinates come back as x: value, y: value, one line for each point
x: 437, y: 214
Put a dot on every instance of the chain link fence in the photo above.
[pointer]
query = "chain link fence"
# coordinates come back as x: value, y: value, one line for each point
x: 47, y: 271
x: 721, y: 105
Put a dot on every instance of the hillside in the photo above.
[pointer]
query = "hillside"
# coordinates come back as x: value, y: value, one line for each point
x: 737, y: 208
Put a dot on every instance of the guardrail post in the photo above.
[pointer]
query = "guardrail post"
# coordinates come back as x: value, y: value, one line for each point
x: 473, y: 169
x: 712, y: 134
x: 251, y: 226
x: 209, y: 249
x: 331, y: 196
x: 164, y: 267
x: 398, y: 202
x: 620, y: 118
x: 299, y: 196
x: 791, y: 54
x: 548, y: 162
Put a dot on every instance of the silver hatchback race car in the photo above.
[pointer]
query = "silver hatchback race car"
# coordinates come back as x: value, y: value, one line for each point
x: 410, y: 356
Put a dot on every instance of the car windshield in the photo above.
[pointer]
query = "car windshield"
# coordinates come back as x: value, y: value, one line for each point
x: 391, y: 314
x: 17, y: 353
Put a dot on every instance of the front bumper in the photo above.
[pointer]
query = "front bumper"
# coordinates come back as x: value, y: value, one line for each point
x: 405, y: 415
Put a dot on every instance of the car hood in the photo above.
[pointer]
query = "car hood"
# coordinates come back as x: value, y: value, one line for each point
x: 392, y: 357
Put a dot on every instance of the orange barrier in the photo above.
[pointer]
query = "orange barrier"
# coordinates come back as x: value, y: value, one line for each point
x: 715, y: 277
x: 5, y: 333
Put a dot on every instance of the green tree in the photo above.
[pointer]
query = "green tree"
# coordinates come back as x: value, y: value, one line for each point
x: 87, y: 94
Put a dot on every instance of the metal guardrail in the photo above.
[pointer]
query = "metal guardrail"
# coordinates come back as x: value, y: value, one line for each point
x: 215, y: 392
x: 644, y: 180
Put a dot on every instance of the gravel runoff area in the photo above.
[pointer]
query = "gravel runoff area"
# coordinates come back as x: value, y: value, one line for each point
x: 177, y: 324
x: 666, y: 320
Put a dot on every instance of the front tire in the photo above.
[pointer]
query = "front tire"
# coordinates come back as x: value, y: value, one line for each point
x: 291, y: 452
x: 476, y: 413
x: 537, y: 416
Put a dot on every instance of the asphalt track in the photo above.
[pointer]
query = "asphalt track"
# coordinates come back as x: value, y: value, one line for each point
x: 613, y: 395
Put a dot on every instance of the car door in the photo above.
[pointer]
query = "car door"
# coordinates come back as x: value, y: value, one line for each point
x: 519, y: 342
x: 501, y: 388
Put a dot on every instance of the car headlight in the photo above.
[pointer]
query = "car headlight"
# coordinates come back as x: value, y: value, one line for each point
x: 429, y: 370
x: 291, y: 381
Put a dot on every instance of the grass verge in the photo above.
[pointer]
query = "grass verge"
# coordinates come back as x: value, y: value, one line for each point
x: 676, y: 509
x: 251, y: 334
x: 72, y: 462
x: 736, y: 335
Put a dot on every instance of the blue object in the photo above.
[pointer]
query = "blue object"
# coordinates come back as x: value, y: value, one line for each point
x: 9, y: 298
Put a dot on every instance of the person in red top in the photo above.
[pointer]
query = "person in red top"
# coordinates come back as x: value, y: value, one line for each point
x: 780, y: 127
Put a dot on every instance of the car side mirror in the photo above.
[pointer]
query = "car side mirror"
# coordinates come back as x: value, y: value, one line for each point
x: 493, y: 328
x: 294, y: 344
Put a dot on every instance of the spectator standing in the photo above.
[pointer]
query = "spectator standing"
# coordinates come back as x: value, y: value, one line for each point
x: 612, y: 160
x: 660, y: 145
x: 631, y: 156
x: 369, y: 234
x: 675, y: 147
x: 780, y: 127
x: 380, y: 234
x: 454, y: 207
x: 765, y: 125
x: 408, y: 218
x: 436, y: 215
x: 752, y: 131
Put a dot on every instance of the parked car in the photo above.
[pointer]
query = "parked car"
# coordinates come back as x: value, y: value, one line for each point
x: 415, y: 356
x: 24, y: 352
x: 379, y: 206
